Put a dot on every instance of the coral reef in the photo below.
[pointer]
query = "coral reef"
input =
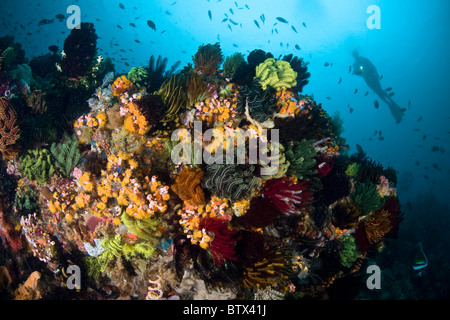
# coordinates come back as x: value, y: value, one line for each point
x: 87, y: 179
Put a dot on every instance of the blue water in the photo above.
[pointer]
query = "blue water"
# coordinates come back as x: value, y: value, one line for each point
x: 410, y: 50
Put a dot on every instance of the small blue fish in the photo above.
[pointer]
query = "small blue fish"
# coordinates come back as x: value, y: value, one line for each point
x: 224, y: 19
x: 293, y: 28
x: 304, y: 24
x: 229, y: 27
x: 421, y: 262
x: 231, y: 10
x: 282, y: 20
x: 247, y: 7
x: 209, y: 14
x: 233, y: 22
x: 297, y: 47
x: 257, y: 24
x: 263, y: 18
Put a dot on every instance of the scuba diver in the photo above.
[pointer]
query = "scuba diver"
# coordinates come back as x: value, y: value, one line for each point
x: 420, y: 262
x: 364, y: 68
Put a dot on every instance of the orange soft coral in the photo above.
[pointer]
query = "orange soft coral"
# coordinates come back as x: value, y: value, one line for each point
x: 120, y: 85
x: 188, y: 186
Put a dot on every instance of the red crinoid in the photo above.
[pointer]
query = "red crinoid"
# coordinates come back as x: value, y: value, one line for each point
x: 392, y: 205
x: 223, y: 239
x: 289, y: 198
x: 324, y: 166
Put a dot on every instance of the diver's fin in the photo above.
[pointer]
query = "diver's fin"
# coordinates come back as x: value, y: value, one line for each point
x: 396, y: 111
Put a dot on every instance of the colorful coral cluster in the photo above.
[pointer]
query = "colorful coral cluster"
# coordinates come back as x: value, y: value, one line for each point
x: 111, y: 199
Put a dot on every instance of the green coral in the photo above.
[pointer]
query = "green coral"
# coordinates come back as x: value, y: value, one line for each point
x: 138, y: 76
x: 366, y: 197
x: 301, y: 156
x: 231, y: 181
x: 232, y: 63
x: 23, y: 72
x: 352, y: 170
x: 277, y: 74
x: 144, y: 229
x: 26, y: 200
x: 8, y: 56
x: 66, y: 154
x: 114, y: 249
x: 37, y: 165
x: 349, y: 252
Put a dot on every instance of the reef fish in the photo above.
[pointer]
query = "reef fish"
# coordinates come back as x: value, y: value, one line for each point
x: 364, y: 68
x: 297, y: 47
x: 257, y: 24
x: 121, y: 6
x: 53, y: 48
x: 391, y: 94
x: 60, y: 17
x: 340, y: 80
x: 209, y: 14
x: 293, y: 28
x: 263, y: 18
x: 224, y: 20
x: 283, y: 20
x: 151, y: 24
x: 326, y: 64
x: 304, y: 24
x: 376, y: 104
x: 388, y: 89
x: 132, y: 24
x: 44, y: 21
x: 234, y: 22
x: 118, y: 26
